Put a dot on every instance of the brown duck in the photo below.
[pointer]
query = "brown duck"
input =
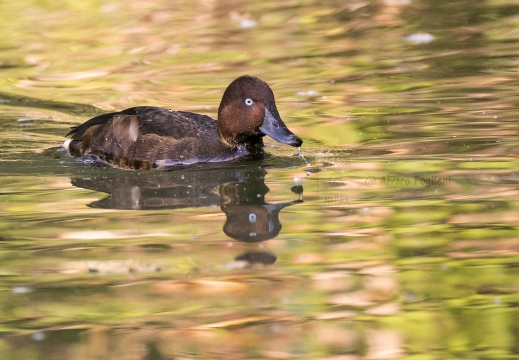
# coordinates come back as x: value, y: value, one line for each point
x: 146, y: 137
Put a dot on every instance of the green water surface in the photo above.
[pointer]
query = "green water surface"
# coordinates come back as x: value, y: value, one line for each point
x: 401, y: 242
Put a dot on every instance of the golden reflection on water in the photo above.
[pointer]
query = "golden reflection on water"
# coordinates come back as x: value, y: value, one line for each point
x: 399, y: 240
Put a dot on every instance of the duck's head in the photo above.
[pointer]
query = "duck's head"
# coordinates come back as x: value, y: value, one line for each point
x: 248, y: 112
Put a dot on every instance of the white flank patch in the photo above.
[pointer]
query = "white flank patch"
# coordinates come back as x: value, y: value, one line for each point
x: 133, y: 130
x: 66, y: 144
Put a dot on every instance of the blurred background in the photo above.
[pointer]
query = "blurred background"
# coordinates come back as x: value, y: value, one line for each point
x: 399, y: 239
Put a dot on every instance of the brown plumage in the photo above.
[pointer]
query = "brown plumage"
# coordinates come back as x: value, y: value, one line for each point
x: 149, y: 137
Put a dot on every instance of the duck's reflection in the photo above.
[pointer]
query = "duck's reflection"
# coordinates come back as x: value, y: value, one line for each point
x: 240, y: 193
x: 249, y: 217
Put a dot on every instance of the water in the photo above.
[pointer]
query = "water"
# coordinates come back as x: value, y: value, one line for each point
x: 300, y: 153
x: 398, y: 240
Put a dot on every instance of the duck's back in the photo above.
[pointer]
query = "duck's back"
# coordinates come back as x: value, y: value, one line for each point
x: 154, y: 120
x: 148, y: 137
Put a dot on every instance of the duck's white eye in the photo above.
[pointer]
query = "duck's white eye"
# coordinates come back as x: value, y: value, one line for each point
x: 248, y: 102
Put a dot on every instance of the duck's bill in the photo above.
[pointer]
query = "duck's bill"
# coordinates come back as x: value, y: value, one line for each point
x: 274, y: 127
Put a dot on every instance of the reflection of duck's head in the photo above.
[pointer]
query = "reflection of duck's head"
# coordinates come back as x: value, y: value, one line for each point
x: 249, y: 217
x: 253, y: 223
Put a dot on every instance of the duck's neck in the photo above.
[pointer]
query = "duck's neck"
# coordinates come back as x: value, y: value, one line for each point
x: 255, y: 147
x: 251, y: 144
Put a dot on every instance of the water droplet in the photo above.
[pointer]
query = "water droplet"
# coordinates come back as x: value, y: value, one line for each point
x: 300, y: 152
x: 248, y: 23
x: 21, y: 289
x: 420, y: 38
x: 38, y: 336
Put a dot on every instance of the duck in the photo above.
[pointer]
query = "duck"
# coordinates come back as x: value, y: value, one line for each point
x: 147, y: 137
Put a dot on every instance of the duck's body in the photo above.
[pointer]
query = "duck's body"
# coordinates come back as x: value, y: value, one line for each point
x: 149, y: 137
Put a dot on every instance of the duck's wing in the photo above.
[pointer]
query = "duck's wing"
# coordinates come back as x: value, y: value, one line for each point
x: 139, y: 137
x: 154, y: 120
x: 78, y: 131
x: 175, y: 124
